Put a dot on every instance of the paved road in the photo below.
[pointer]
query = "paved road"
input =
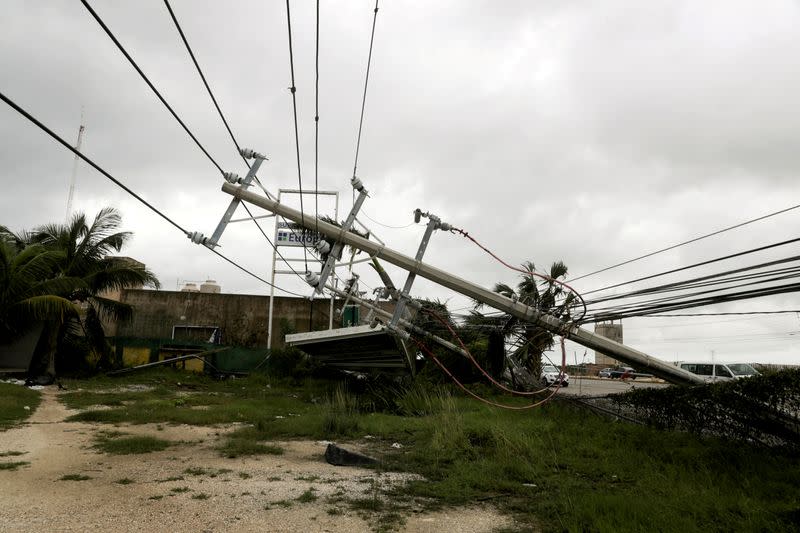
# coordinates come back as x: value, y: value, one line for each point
x: 598, y: 387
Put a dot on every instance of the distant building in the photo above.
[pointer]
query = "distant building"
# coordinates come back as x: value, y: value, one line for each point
x: 609, y: 330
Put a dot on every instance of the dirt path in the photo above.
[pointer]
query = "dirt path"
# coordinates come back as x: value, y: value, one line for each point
x: 244, y: 494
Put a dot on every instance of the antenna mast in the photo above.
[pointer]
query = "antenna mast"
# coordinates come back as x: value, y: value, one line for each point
x: 74, y: 170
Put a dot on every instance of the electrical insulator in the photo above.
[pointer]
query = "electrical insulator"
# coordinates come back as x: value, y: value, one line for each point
x: 249, y: 153
x: 417, y: 215
x: 356, y: 183
x: 312, y: 279
x: 232, y: 177
x: 323, y: 247
x: 196, y: 237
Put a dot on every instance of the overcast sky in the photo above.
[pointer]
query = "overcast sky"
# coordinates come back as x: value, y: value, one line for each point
x: 590, y: 132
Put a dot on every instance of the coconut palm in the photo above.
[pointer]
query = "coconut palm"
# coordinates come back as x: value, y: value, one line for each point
x: 527, y: 341
x: 29, y: 290
x: 81, y: 251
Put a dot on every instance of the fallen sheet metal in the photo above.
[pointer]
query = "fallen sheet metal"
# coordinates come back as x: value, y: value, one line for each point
x: 359, y: 348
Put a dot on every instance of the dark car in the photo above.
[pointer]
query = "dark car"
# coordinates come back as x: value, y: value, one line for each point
x: 623, y: 372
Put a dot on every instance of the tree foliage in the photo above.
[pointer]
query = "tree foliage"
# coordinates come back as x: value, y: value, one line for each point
x: 62, y: 274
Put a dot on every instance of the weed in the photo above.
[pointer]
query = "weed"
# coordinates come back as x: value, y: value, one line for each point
x: 16, y: 404
x: 274, y: 478
x: 179, y: 490
x: 237, y: 447
x: 124, y: 481
x: 131, y: 445
x: 12, y: 454
x: 156, y: 497
x: 196, y: 471
x: 74, y: 477
x: 308, y: 496
x: 341, y: 414
x: 200, y: 496
x: 310, y: 479
x: 168, y: 479
x: 284, y: 503
x: 13, y: 465
x: 335, y: 511
x: 244, y: 475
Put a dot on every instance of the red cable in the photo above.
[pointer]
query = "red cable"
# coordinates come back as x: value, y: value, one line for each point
x: 484, y: 400
x: 478, y: 366
x: 528, y: 272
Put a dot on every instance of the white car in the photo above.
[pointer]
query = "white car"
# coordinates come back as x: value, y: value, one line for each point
x: 551, y: 375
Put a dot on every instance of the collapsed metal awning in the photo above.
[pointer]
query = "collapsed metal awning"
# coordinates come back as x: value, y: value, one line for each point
x: 355, y: 348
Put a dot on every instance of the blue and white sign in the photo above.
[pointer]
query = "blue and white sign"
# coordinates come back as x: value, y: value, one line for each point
x: 288, y: 236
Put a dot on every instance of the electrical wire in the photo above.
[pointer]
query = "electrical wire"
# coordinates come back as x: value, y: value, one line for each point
x: 316, y: 126
x: 293, y: 90
x: 149, y: 83
x: 366, y: 84
x: 386, y: 225
x: 121, y: 185
x: 695, y: 265
x: 723, y: 230
x: 227, y: 127
x: 728, y: 314
x: 465, y: 234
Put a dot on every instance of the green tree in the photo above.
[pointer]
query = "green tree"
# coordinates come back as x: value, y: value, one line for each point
x: 83, y: 271
x: 528, y: 341
x: 29, y: 288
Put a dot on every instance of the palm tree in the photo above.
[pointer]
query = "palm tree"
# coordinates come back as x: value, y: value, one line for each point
x: 528, y: 341
x: 83, y: 256
x: 29, y: 289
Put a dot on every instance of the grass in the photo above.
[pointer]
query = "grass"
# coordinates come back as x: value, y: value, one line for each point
x: 554, y: 468
x: 200, y: 496
x: 13, y: 402
x: 13, y: 465
x: 125, y: 481
x: 12, y: 453
x: 180, y: 490
x: 308, y: 496
x: 74, y: 477
x: 130, y: 445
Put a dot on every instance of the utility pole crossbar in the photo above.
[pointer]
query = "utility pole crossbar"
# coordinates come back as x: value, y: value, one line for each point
x: 579, y: 335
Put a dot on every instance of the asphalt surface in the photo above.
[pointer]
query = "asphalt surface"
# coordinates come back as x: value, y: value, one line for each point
x: 602, y: 386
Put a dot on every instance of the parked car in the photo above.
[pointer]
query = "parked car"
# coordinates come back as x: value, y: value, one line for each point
x: 623, y: 372
x: 551, y: 374
x: 605, y: 373
x: 720, y: 371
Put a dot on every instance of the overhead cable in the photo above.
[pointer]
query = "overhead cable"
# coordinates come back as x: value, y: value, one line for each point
x: 695, y: 265
x: 293, y: 90
x: 723, y: 230
x: 366, y: 84
x: 227, y: 127
x: 121, y: 185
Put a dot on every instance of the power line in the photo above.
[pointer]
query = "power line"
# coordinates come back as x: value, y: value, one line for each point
x: 121, y: 185
x: 366, y: 84
x: 149, y: 83
x: 695, y: 265
x: 728, y: 314
x: 227, y: 127
x: 316, y: 126
x: 293, y: 90
x: 689, y: 241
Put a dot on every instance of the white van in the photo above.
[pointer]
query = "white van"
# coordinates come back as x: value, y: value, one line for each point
x: 720, y: 371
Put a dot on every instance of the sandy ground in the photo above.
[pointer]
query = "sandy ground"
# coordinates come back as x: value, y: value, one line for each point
x: 253, y: 495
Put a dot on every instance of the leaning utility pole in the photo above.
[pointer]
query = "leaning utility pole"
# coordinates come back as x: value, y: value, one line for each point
x: 416, y: 267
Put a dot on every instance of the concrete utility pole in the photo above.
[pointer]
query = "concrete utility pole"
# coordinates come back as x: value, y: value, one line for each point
x: 584, y: 337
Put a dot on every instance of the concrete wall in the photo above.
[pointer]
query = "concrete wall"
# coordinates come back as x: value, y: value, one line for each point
x: 241, y: 317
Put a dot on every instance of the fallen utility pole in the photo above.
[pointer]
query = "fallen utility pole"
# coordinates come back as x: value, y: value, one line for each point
x: 521, y: 311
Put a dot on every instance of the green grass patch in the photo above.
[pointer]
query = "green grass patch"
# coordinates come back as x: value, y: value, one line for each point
x: 131, y: 445
x: 74, y: 477
x: 13, y: 402
x: 237, y: 447
x: 13, y: 465
x: 12, y: 453
x: 308, y: 496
